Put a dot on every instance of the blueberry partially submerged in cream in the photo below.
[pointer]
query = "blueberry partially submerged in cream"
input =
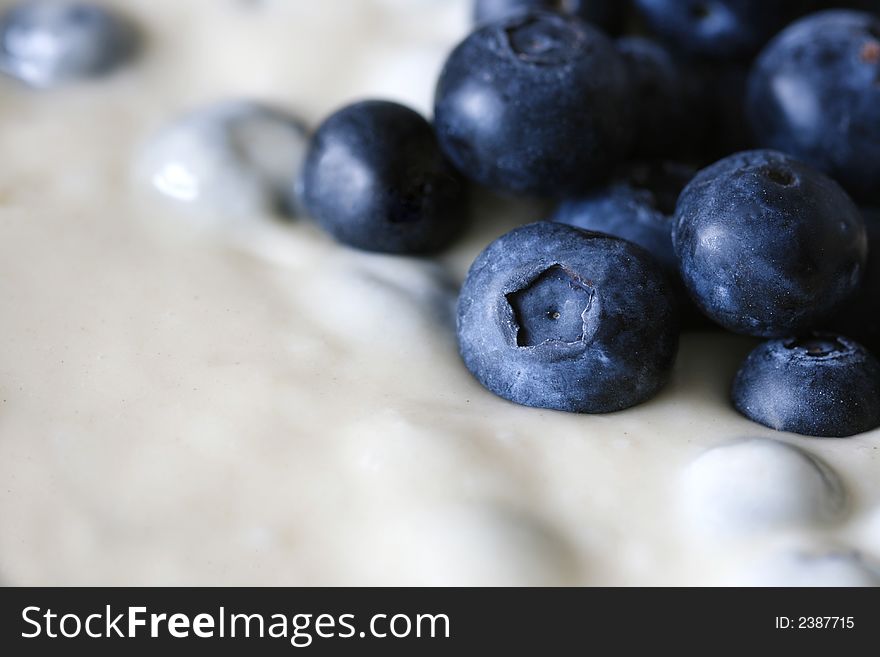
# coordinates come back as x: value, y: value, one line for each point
x: 767, y: 245
x: 722, y: 498
x: 45, y: 43
x: 535, y: 104
x: 819, y: 385
x: 556, y: 317
x: 230, y: 158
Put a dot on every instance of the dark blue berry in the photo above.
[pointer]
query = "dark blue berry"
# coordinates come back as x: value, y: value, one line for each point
x: 48, y: 42
x: 820, y: 385
x: 555, y: 317
x: 723, y: 29
x: 814, y: 93
x: 766, y: 245
x: 609, y: 15
x: 375, y: 179
x: 536, y: 104
x: 722, y: 92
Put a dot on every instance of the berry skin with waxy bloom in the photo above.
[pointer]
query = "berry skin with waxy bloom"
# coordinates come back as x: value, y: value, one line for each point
x: 768, y: 246
x: 555, y: 317
x: 536, y: 104
x: 814, y: 93
x: 820, y: 385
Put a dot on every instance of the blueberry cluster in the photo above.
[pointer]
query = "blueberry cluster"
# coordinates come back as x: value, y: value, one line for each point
x: 375, y: 178
x: 725, y: 142
x: 706, y: 158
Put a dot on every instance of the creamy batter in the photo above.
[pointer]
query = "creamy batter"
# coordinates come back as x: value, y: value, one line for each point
x: 211, y: 402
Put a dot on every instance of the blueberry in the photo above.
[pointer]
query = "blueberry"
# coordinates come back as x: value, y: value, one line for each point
x: 860, y: 317
x: 551, y: 316
x: 722, y: 497
x: 375, y: 179
x: 766, y: 245
x: 536, y: 104
x: 723, y: 29
x: 821, y: 385
x: 609, y: 15
x: 45, y: 43
x: 814, y: 93
x: 668, y: 119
